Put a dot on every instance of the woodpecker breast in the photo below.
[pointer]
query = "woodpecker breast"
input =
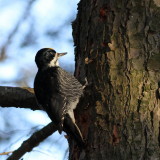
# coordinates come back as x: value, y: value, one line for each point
x: 68, y: 86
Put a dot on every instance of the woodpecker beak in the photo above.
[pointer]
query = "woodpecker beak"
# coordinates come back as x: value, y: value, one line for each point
x: 61, y: 54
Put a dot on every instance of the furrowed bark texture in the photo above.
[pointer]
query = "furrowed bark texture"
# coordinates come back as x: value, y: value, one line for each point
x: 118, y: 50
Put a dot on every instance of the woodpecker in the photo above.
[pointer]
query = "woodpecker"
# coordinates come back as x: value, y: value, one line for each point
x: 57, y: 92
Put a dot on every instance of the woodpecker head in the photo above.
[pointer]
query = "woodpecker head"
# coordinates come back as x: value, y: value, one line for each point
x: 47, y: 57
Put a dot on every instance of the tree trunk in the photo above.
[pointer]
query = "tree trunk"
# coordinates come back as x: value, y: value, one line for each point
x: 118, y: 51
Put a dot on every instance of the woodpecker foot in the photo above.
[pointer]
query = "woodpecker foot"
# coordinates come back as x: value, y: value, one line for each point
x: 86, y: 83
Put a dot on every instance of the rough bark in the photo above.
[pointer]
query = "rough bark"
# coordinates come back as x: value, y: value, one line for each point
x: 118, y: 51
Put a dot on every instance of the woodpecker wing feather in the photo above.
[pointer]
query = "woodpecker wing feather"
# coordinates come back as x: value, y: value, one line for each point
x: 59, y: 92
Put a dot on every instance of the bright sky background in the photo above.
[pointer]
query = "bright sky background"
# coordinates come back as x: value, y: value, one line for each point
x: 42, y: 22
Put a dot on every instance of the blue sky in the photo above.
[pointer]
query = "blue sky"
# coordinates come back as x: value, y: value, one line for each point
x: 43, y: 18
x: 22, y: 33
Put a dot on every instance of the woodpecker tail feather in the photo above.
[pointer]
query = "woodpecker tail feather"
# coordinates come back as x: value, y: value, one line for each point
x: 72, y: 130
x: 60, y: 126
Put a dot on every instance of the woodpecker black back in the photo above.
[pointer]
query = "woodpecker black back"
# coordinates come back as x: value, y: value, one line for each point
x: 58, y: 92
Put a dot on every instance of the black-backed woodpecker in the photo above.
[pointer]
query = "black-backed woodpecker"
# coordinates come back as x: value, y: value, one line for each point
x: 58, y: 92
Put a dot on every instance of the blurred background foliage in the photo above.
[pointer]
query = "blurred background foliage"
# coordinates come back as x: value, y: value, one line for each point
x: 25, y: 27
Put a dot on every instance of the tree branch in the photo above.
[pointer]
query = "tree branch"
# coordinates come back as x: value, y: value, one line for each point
x: 18, y: 97
x: 33, y: 141
x: 24, y: 98
x: 5, y: 153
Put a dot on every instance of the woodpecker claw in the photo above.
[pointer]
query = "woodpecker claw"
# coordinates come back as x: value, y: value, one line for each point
x: 86, y: 83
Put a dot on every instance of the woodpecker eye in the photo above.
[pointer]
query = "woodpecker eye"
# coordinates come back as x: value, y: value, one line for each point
x: 49, y: 56
x: 52, y: 53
